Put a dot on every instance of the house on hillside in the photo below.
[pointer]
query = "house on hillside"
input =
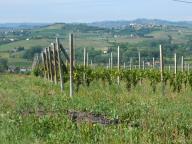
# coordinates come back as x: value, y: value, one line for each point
x: 107, y: 50
x: 13, y: 69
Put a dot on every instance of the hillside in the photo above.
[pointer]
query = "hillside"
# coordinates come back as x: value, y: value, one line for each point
x: 124, y: 23
x: 21, y: 25
x: 143, y: 37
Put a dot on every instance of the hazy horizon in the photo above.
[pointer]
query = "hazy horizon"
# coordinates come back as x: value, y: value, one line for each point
x: 83, y: 11
x: 112, y: 20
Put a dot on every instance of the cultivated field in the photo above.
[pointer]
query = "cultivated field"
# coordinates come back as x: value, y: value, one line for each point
x: 98, y: 38
x: 34, y: 110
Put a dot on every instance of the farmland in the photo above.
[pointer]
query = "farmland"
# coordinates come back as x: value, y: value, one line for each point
x: 131, y: 39
x: 34, y: 111
x: 109, y: 104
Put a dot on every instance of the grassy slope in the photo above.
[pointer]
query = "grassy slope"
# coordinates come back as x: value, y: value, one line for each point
x: 26, y: 44
x: 156, y: 119
x: 19, y: 62
x: 84, y: 40
x: 89, y: 39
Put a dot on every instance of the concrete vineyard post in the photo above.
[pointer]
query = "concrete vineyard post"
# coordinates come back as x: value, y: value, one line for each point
x: 85, y: 62
x: 111, y: 60
x: 130, y: 64
x: 161, y: 68
x: 118, y: 65
x: 74, y: 52
x: 109, y: 63
x: 153, y: 62
x: 143, y: 65
x: 87, y: 59
x: 71, y: 63
x: 139, y: 54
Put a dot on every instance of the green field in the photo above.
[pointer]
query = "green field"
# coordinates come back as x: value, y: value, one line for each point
x: 33, y: 110
x: 175, y: 39
x: 26, y: 44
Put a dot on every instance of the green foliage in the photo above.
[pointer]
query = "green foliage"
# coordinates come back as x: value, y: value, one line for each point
x: 3, y: 64
x: 131, y: 77
x: 29, y: 53
x: 38, y: 71
x: 33, y: 110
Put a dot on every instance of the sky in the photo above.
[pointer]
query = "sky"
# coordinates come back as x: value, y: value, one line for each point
x: 92, y: 10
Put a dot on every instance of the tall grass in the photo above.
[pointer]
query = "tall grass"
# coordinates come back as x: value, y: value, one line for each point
x: 146, y: 117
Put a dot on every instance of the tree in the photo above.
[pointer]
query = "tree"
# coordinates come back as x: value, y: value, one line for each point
x: 29, y: 53
x: 3, y: 65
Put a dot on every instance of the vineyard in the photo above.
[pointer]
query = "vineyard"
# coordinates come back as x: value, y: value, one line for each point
x: 66, y: 102
x: 53, y: 68
x: 133, y: 77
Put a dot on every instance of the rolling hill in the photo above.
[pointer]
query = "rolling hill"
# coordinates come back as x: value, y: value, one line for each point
x: 175, y: 36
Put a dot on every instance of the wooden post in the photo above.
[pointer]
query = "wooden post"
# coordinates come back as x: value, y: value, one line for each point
x: 59, y: 64
x: 35, y: 61
x: 50, y: 63
x: 62, y: 49
x: 44, y: 65
x: 44, y: 56
x: 47, y: 64
x: 182, y: 64
x: 55, y: 63
x: 175, y: 58
x: 153, y: 62
x: 111, y: 60
x: 118, y: 65
x: 71, y: 63
x: 139, y: 54
x: 162, y: 68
